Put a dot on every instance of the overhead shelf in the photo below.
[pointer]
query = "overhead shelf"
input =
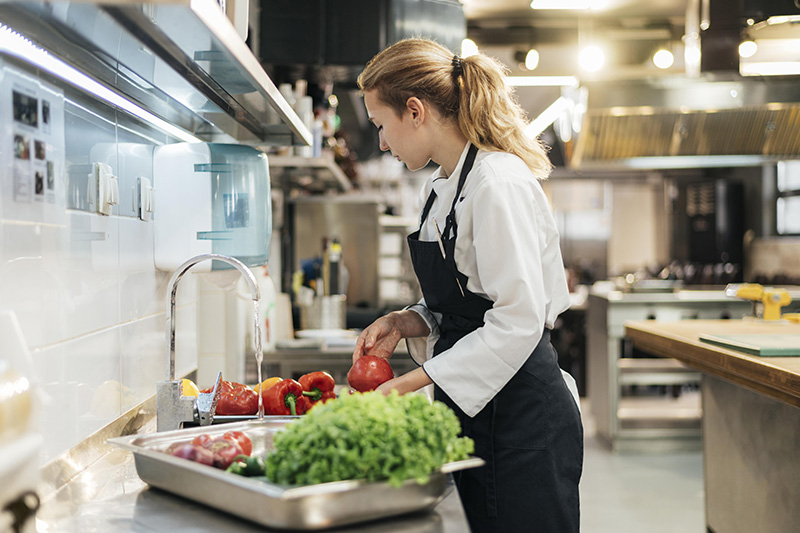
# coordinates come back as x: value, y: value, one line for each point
x: 182, y: 60
x: 311, y: 172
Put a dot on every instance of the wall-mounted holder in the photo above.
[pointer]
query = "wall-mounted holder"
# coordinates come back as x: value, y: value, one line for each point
x: 103, y: 189
x: 144, y: 199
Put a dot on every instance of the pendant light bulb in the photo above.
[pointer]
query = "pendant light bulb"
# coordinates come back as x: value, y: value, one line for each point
x: 663, y: 59
x: 532, y: 59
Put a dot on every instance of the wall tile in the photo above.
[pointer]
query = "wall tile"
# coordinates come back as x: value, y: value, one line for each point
x: 91, y: 274
x: 82, y: 391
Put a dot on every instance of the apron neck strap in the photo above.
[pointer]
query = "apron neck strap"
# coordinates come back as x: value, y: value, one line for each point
x: 468, y: 162
x: 451, y: 219
x: 427, y: 208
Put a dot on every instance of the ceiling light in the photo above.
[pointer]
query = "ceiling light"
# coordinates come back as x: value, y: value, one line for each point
x: 747, y: 49
x: 663, y: 59
x: 563, y: 4
x: 542, y: 81
x: 532, y: 59
x: 776, y: 68
x: 591, y: 58
x: 468, y: 48
x: 548, y: 116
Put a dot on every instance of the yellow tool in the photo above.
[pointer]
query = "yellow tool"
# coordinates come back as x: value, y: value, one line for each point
x: 772, y: 298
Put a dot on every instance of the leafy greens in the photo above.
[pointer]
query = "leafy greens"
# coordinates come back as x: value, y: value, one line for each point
x: 368, y: 436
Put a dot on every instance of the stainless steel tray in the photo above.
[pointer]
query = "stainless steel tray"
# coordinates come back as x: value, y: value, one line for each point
x: 308, y: 507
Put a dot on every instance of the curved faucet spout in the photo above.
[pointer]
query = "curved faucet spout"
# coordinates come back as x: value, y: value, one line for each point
x: 172, y: 289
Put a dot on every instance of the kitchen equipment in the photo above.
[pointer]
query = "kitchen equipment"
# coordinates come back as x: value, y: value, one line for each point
x: 211, y: 198
x: 773, y: 299
x: 309, y: 507
x: 325, y: 312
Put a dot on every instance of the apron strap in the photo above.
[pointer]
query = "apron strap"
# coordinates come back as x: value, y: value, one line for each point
x: 451, y: 217
x: 427, y: 208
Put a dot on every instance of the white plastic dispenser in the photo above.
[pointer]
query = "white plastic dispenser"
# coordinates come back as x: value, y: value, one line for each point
x: 211, y: 198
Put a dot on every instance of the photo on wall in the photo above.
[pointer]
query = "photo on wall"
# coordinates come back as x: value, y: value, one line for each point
x: 22, y: 146
x: 26, y: 109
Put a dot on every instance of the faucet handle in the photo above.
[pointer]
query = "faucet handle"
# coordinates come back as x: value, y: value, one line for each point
x: 207, y: 403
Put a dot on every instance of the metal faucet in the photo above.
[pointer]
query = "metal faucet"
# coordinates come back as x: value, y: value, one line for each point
x: 172, y: 409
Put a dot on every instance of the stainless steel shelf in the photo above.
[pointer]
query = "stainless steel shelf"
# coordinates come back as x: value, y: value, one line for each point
x: 655, y: 372
x: 319, y: 172
x: 181, y: 60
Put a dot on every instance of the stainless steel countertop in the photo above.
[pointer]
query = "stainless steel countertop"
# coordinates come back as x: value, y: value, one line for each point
x: 109, y: 496
x: 677, y: 297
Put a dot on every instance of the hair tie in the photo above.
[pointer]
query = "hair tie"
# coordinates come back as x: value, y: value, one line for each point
x: 458, y: 67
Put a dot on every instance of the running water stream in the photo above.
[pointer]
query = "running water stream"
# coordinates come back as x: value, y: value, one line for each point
x: 259, y: 358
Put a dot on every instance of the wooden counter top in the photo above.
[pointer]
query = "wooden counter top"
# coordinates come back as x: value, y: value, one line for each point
x: 776, y: 377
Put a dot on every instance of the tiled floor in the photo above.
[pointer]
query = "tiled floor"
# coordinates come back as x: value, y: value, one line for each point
x: 627, y: 493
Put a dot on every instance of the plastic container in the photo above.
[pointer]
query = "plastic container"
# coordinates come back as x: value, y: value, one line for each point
x: 211, y: 198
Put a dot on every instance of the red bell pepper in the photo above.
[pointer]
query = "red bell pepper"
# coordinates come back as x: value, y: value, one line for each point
x: 285, y: 398
x: 235, y: 399
x: 318, y: 387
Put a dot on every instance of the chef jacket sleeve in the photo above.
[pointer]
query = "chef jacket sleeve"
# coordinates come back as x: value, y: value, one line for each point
x: 515, y: 250
x: 421, y: 348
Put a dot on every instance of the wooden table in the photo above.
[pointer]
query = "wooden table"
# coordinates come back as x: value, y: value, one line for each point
x: 751, y: 422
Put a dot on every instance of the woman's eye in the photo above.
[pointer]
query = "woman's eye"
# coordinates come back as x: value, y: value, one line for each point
x: 380, y: 129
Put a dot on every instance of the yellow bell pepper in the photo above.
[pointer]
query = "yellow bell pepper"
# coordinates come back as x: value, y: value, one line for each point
x: 188, y: 388
x: 267, y: 383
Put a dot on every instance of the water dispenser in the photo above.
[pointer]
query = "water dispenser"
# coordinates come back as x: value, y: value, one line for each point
x: 211, y: 198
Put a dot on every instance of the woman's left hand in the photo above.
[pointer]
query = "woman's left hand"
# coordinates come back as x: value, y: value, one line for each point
x: 409, y: 382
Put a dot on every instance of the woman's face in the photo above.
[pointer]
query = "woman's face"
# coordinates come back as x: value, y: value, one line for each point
x: 398, y: 134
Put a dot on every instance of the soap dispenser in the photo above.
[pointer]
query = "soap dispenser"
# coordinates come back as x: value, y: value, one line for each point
x: 211, y: 198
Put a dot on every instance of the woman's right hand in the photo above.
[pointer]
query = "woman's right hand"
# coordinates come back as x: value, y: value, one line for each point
x: 381, y: 337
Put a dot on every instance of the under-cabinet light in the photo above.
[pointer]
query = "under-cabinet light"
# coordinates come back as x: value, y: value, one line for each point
x: 15, y: 44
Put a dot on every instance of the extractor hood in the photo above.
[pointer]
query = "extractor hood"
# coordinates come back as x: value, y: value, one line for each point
x: 670, y: 123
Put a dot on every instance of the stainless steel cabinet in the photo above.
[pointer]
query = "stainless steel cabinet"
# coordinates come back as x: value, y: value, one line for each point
x: 647, y: 403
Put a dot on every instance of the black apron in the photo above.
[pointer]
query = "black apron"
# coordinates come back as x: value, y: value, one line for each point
x: 530, y: 434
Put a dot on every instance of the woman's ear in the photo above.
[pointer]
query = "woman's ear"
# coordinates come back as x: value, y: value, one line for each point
x: 416, y: 109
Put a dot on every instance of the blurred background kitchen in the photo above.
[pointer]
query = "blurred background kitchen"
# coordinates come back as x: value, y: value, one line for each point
x: 137, y: 135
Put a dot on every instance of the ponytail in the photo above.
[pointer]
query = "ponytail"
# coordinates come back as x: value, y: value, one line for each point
x: 471, y: 90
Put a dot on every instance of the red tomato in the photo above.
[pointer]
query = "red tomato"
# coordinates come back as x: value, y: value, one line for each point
x: 241, y: 439
x: 201, y: 440
x: 369, y: 372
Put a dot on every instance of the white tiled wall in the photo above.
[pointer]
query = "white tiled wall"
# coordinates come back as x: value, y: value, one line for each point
x: 85, y: 291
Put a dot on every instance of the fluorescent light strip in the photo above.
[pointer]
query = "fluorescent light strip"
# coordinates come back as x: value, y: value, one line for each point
x: 15, y: 44
x: 548, y: 116
x: 542, y: 81
x: 561, y: 4
x: 776, y: 68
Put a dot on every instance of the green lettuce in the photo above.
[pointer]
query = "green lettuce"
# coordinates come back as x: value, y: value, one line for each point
x: 368, y: 436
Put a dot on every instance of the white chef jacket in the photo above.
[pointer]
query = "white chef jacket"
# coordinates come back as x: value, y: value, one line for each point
x: 507, y: 245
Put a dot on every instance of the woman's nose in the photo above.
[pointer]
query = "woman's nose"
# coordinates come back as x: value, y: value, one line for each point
x: 383, y: 145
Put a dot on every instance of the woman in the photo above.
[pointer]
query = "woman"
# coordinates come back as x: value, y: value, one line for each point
x: 488, y: 261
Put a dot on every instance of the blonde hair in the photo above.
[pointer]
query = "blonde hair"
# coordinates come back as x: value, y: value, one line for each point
x: 471, y: 90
